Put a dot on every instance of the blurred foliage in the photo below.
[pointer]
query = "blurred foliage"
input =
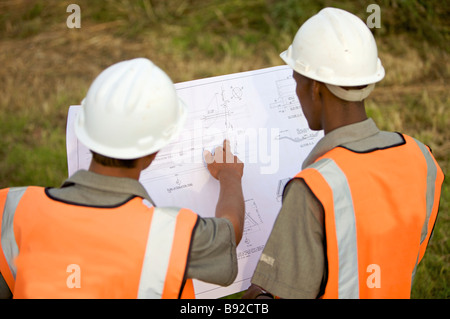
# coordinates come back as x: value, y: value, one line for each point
x: 250, y: 20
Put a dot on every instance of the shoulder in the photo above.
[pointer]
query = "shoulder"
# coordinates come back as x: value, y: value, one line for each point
x: 14, y: 194
x: 300, y: 206
x: 297, y: 194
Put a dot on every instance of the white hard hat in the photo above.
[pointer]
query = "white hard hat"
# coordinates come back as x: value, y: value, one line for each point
x: 337, y: 48
x: 131, y: 110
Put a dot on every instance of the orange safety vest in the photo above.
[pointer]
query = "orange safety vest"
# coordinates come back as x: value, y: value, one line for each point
x: 380, y: 209
x: 54, y: 249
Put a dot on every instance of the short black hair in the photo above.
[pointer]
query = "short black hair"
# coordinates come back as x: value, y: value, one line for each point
x: 113, y: 162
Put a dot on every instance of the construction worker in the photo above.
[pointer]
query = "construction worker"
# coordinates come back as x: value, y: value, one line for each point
x: 356, y: 221
x: 100, y: 235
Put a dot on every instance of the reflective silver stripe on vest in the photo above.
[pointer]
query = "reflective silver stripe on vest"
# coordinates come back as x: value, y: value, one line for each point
x: 157, y: 253
x: 8, y: 240
x: 431, y: 180
x: 344, y: 215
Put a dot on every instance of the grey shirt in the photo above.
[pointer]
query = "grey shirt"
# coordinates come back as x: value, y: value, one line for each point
x: 213, y: 251
x: 293, y: 263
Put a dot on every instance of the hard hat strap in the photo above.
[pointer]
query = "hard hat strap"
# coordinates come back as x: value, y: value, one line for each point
x: 351, y: 95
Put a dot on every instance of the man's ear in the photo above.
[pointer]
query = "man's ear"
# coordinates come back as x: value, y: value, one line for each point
x: 154, y: 155
x: 147, y: 160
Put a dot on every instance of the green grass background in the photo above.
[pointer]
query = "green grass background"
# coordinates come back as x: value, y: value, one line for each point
x: 45, y: 67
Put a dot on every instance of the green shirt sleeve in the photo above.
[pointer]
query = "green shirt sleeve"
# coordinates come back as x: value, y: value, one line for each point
x: 293, y: 262
x: 213, y: 252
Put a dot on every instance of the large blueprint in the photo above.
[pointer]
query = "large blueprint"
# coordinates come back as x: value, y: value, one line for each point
x: 260, y: 114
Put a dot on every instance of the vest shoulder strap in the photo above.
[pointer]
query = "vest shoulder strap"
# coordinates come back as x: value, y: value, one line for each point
x: 167, y: 250
x: 9, y: 200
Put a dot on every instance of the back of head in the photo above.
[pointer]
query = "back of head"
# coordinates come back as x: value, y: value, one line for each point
x: 336, y: 47
x: 131, y: 110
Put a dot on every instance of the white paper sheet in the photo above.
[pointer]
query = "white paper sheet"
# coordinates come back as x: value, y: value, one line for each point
x: 261, y: 115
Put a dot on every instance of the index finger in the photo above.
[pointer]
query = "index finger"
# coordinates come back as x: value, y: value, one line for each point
x: 226, y: 144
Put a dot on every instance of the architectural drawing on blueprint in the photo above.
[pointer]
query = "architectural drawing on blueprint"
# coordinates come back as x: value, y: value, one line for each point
x: 286, y: 103
x: 222, y: 107
x: 252, y: 224
x: 258, y: 111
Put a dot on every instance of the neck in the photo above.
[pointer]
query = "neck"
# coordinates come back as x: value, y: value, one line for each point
x: 341, y: 114
x: 133, y: 173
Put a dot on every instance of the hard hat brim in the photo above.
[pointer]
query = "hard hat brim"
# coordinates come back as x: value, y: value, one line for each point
x: 333, y: 80
x: 131, y: 152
